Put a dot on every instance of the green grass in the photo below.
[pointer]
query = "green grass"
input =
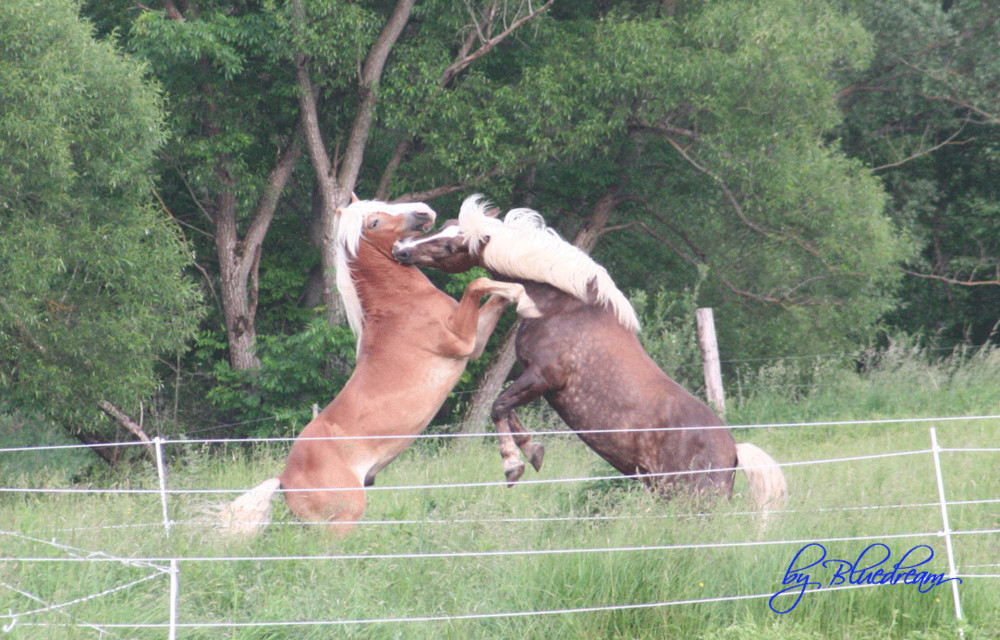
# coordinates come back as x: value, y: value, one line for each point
x: 588, y: 515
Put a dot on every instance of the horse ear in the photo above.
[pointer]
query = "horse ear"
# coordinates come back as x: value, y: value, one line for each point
x: 354, y: 198
x: 492, y: 213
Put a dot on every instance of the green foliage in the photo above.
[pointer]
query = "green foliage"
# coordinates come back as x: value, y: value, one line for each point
x: 712, y: 127
x: 297, y: 371
x: 669, y: 333
x: 924, y: 114
x: 90, y: 271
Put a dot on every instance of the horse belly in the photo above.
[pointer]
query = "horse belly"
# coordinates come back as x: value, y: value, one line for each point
x: 405, y: 412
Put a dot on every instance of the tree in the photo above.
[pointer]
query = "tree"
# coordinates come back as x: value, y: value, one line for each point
x: 236, y: 141
x: 693, y: 138
x: 251, y: 87
x: 679, y: 140
x: 91, y: 272
x: 925, y: 117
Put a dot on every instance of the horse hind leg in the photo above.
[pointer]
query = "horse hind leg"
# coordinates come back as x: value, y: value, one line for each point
x: 532, y: 450
x: 528, y: 387
x: 336, y: 499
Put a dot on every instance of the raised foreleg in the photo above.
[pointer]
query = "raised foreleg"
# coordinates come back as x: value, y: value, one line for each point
x: 489, y: 315
x: 465, y: 335
x: 528, y: 387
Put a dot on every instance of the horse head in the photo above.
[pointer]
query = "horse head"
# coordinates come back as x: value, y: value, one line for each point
x: 455, y: 248
x: 380, y: 224
x: 447, y: 250
x: 375, y: 225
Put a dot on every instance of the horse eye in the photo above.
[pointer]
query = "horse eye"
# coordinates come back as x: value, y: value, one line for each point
x: 449, y: 248
x: 373, y: 223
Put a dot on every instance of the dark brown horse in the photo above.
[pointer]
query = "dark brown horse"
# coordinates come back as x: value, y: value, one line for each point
x: 413, y: 343
x: 583, y: 356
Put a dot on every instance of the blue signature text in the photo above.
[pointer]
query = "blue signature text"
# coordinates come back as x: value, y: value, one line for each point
x: 871, y: 567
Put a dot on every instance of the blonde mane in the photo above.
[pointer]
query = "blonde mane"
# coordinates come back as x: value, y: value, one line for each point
x: 523, y: 247
x: 350, y: 230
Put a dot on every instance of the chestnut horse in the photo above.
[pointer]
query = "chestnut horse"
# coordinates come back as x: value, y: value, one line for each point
x: 584, y: 357
x: 413, y: 344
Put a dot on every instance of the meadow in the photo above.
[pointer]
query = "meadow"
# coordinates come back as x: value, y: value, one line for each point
x: 447, y: 551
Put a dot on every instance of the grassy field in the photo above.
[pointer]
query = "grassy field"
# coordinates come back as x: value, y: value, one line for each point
x: 577, y: 546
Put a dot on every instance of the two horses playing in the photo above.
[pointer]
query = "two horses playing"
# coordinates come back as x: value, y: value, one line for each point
x: 576, y: 343
x: 413, y: 343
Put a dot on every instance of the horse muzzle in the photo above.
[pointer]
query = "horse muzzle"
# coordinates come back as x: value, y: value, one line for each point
x: 402, y: 254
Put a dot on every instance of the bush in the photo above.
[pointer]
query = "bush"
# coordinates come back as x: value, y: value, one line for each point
x: 296, y: 372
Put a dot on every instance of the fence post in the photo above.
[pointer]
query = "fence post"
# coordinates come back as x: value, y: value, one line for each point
x: 710, y: 359
x: 174, y: 592
x: 161, y: 473
x: 946, y: 533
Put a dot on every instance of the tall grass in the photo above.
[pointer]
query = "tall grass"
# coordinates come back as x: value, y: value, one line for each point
x: 599, y: 543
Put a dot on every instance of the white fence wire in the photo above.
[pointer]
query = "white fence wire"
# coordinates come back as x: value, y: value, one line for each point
x: 172, y: 566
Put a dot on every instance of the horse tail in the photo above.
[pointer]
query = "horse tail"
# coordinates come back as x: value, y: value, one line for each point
x: 768, y: 489
x: 247, y: 515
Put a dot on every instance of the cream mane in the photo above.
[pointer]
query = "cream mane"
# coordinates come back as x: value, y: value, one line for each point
x: 350, y: 230
x: 523, y: 247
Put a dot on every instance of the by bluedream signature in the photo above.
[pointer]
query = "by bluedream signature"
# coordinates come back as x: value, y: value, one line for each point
x: 871, y: 567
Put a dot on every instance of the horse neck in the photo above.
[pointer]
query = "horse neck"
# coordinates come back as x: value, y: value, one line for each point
x: 382, y: 283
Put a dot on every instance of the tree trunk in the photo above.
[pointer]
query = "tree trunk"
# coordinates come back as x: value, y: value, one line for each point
x: 126, y: 421
x: 239, y: 259
x: 236, y: 306
x: 478, y: 415
x: 337, y: 181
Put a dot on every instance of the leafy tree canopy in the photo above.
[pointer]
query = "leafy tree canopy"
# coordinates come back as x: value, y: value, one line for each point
x: 91, y: 284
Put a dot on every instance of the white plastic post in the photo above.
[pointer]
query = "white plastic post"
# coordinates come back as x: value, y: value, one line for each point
x: 946, y: 533
x: 174, y: 591
x: 161, y: 472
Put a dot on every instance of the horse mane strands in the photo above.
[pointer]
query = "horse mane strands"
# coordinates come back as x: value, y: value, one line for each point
x: 474, y: 223
x: 524, y: 247
x: 350, y: 227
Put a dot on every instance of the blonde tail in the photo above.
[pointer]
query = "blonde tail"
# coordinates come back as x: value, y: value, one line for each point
x: 247, y: 515
x: 768, y: 489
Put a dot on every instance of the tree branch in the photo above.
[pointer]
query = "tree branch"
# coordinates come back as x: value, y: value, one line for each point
x: 489, y: 43
x: 922, y: 152
x: 462, y: 61
x: 950, y: 280
x: 443, y: 190
x: 124, y: 420
x: 371, y: 74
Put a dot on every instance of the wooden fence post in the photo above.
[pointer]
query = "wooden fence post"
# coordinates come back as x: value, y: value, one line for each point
x: 710, y: 359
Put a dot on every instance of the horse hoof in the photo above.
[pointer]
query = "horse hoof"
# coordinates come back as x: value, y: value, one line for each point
x: 526, y: 308
x: 535, y: 456
x: 514, y: 474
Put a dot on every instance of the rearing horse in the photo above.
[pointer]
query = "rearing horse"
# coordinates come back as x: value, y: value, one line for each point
x: 413, y: 343
x: 584, y: 357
